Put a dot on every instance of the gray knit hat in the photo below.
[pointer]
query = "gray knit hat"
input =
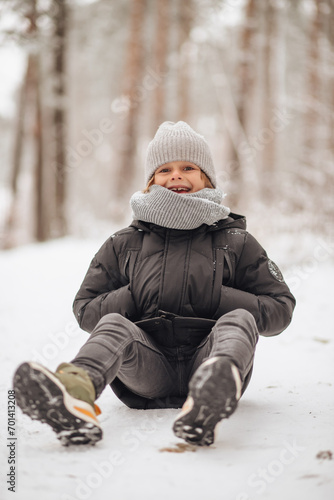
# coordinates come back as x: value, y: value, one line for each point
x: 179, y: 142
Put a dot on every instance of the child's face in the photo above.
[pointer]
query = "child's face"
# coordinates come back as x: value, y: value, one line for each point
x: 180, y: 176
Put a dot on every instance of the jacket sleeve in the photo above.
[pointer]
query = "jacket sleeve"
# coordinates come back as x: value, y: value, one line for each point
x: 104, y: 290
x: 259, y: 288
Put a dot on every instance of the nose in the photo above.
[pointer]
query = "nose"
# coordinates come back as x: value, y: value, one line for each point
x: 176, y: 174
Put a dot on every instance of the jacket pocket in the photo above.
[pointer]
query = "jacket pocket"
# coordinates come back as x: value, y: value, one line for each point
x: 119, y: 301
x: 223, y: 275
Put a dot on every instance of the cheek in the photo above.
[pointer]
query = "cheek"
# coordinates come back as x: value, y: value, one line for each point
x: 158, y: 180
x: 200, y: 182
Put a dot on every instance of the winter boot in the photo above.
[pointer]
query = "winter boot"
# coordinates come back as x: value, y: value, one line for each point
x: 214, y: 391
x: 64, y: 400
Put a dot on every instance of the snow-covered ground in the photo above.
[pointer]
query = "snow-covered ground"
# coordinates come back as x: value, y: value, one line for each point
x: 277, y: 445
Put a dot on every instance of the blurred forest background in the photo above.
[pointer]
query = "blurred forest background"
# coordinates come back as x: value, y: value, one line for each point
x: 256, y: 78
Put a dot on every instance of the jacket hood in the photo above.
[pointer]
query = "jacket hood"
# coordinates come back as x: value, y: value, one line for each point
x: 232, y: 221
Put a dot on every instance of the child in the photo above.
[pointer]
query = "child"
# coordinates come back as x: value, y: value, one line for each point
x: 174, y: 304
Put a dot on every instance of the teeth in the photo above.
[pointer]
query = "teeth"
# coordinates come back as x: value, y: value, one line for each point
x: 180, y: 189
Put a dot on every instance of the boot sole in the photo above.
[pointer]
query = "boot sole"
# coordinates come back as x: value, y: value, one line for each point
x: 42, y: 396
x: 214, y: 391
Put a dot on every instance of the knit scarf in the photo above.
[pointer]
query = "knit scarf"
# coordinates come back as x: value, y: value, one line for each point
x: 179, y: 211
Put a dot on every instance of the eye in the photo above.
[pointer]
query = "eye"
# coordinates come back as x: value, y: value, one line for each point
x: 189, y: 167
x: 163, y: 170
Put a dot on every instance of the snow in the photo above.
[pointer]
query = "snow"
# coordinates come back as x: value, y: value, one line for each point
x: 267, y: 450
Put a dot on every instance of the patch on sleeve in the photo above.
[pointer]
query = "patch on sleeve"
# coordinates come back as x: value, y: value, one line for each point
x: 274, y: 271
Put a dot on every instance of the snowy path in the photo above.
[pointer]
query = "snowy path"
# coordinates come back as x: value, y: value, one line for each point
x: 267, y: 450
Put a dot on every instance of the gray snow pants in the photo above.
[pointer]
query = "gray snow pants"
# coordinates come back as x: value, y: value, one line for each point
x: 146, y: 375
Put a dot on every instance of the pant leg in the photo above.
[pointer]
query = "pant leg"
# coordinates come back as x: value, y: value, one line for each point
x: 235, y: 336
x: 117, y: 347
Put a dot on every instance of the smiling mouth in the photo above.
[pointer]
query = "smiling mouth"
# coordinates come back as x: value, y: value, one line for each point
x: 179, y: 189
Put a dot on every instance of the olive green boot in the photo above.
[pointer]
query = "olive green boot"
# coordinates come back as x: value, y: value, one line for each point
x: 77, y: 382
x: 64, y: 400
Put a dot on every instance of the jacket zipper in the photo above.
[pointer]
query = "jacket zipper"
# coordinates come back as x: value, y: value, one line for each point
x: 163, y: 268
x: 185, y: 275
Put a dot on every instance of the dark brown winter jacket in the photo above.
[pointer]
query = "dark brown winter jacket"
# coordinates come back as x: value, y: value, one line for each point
x: 176, y: 283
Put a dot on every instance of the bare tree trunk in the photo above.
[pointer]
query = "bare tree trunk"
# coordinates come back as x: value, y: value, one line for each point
x: 41, y: 228
x: 243, y: 163
x: 280, y: 83
x: 246, y: 70
x: 330, y: 82
x: 17, y: 160
x: 59, y: 118
x: 313, y: 82
x: 185, y: 22
x: 330, y: 24
x: 267, y: 137
x: 312, y: 120
x: 330, y: 139
x: 161, y: 49
x: 31, y: 98
x: 133, y: 73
